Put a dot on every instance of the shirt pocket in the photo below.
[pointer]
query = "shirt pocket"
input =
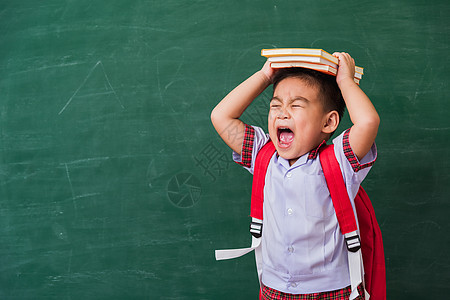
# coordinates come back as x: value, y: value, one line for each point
x: 318, y: 202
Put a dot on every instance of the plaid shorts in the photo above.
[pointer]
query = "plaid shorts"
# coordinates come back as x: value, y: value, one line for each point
x: 268, y: 293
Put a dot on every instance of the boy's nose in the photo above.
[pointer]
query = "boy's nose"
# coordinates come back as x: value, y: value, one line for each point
x: 283, y: 114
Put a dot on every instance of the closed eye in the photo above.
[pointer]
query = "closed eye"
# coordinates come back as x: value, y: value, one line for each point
x: 275, y: 105
x: 296, y: 103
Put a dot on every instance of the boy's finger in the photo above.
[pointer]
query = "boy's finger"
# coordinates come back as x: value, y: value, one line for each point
x: 341, y: 56
x: 337, y: 54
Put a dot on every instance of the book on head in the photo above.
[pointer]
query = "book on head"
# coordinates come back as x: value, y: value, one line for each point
x: 312, y: 59
x: 319, y: 56
x: 297, y: 52
x: 317, y: 67
x: 299, y: 64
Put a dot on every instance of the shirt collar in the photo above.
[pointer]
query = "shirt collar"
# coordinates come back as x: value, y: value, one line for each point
x: 313, y: 154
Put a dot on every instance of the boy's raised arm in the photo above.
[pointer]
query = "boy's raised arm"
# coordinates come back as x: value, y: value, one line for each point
x: 225, y: 116
x: 364, y: 117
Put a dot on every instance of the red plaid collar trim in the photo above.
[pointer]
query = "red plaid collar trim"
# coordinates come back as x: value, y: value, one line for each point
x: 313, y: 154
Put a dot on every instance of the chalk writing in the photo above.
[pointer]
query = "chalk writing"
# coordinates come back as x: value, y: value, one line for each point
x: 99, y: 63
x: 71, y: 189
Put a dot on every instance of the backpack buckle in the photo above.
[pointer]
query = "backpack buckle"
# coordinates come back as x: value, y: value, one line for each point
x: 353, y: 241
x: 256, y: 228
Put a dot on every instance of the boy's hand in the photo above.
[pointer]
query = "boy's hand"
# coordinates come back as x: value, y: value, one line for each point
x: 346, y: 68
x: 268, y: 71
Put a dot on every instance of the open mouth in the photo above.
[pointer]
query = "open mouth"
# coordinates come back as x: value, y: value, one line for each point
x: 285, y: 137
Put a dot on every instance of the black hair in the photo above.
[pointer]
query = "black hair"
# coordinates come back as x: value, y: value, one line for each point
x: 329, y: 91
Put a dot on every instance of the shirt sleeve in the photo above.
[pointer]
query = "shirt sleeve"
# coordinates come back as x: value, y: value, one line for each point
x: 353, y: 170
x: 254, y: 139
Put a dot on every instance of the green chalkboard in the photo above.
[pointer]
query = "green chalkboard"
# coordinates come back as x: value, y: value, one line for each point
x: 113, y: 183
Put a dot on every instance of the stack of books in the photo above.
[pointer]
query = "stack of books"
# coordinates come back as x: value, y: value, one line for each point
x: 316, y: 59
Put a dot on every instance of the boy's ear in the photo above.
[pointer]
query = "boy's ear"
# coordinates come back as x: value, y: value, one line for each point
x: 331, y: 122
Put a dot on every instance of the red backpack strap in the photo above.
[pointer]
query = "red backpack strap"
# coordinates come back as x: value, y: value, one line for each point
x: 259, y: 178
x: 338, y: 191
x: 344, y: 214
x: 371, y: 240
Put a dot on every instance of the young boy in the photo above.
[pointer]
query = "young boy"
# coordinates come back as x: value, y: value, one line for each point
x: 303, y: 251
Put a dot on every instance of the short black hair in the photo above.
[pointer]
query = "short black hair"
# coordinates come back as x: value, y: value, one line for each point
x: 329, y: 91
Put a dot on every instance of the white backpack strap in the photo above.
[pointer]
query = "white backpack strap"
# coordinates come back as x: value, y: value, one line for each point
x: 355, y: 263
x: 256, y: 231
x: 258, y: 260
x: 234, y: 253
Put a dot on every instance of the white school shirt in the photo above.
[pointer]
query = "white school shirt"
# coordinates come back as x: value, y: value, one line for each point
x: 303, y: 250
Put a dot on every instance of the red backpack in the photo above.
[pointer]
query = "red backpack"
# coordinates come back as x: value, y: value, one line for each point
x: 370, y: 243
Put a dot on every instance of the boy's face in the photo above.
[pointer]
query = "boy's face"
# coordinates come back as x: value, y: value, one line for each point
x: 296, y: 118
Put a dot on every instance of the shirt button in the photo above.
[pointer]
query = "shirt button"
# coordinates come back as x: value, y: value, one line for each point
x: 289, y: 175
x: 290, y: 211
x: 291, y: 249
x: 293, y: 284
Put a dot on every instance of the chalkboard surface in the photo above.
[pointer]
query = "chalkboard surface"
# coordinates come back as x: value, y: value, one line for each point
x: 113, y: 183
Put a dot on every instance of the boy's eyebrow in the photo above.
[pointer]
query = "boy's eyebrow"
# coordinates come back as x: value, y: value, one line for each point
x: 298, y: 98
x: 275, y: 98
